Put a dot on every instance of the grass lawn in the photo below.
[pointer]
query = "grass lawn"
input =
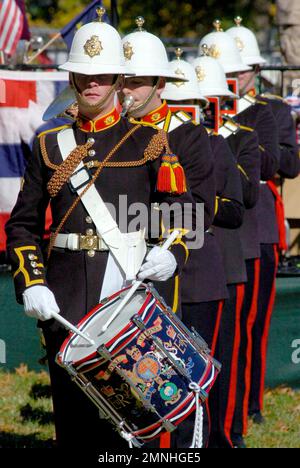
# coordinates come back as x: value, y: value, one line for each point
x: 26, y: 414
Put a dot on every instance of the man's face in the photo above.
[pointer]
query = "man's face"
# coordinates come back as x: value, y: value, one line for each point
x: 93, y: 87
x: 246, y: 81
x: 140, y: 87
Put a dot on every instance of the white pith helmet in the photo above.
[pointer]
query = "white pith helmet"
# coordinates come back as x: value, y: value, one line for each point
x: 246, y: 42
x: 211, y: 76
x: 180, y: 90
x: 145, y: 54
x: 223, y: 48
x: 96, y: 49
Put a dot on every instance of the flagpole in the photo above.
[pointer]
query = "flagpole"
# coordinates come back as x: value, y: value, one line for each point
x: 40, y: 51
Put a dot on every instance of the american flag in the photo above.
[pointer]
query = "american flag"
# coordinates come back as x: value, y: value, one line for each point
x: 11, y: 26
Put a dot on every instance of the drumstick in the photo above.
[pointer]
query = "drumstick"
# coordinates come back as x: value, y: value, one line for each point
x: 71, y: 327
x: 135, y: 285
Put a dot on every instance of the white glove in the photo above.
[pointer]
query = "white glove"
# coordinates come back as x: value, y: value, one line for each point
x: 160, y: 265
x: 39, y: 302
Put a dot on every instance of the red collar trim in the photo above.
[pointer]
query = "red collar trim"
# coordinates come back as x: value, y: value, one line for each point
x: 157, y: 115
x: 104, y: 122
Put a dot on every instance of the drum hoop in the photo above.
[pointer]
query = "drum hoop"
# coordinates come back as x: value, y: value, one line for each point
x: 87, y: 318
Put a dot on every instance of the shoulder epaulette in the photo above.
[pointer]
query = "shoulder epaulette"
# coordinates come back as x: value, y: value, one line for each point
x: 248, y: 129
x: 183, y: 116
x: 52, y: 130
x: 210, y: 131
x: 275, y: 97
x: 263, y: 103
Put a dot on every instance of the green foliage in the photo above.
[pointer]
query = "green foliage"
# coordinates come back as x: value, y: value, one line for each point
x: 186, y: 18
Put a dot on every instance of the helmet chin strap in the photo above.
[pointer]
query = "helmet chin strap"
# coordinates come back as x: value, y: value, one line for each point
x: 134, y: 110
x: 84, y: 106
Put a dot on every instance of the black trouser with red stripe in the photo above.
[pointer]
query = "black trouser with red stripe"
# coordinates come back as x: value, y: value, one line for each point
x: 260, y: 330
x: 205, y: 318
x: 222, y: 396
x: 247, y: 319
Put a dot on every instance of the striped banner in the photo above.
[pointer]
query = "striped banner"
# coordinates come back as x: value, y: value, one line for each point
x: 11, y: 26
x: 24, y: 96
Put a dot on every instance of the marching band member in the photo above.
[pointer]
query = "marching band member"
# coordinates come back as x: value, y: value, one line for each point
x: 80, y: 169
x: 272, y: 231
x: 234, y: 243
x: 147, y: 59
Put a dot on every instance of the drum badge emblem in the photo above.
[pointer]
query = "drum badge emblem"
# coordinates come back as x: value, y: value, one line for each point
x: 148, y: 368
x: 93, y: 46
x: 170, y: 393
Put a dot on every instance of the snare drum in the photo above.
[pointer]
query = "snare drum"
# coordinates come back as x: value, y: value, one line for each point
x: 142, y: 371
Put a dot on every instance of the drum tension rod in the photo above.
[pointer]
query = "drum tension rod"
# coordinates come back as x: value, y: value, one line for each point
x: 201, y: 342
x: 138, y: 322
x: 103, y: 352
x: 168, y: 425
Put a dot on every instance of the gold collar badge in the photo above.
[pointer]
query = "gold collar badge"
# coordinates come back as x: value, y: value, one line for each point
x: 93, y: 46
x: 109, y: 120
x: 155, y: 117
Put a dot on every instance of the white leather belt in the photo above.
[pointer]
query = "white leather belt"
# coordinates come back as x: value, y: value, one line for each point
x: 79, y: 242
x: 262, y: 182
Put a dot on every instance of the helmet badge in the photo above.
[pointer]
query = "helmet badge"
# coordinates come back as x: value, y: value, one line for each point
x: 200, y: 72
x: 128, y: 51
x: 93, y: 46
x: 214, y: 51
x: 239, y: 43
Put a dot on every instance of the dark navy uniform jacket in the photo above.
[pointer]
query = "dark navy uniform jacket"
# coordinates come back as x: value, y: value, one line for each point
x: 244, y: 144
x: 227, y: 221
x: 204, y: 277
x: 289, y: 153
x: 260, y: 117
x: 74, y: 277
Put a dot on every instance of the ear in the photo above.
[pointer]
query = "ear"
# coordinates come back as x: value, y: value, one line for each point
x: 160, y: 86
x: 120, y: 83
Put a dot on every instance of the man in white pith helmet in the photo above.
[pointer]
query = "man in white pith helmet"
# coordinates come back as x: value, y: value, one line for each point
x: 251, y: 371
x: 146, y: 57
x: 235, y: 243
x: 80, y: 168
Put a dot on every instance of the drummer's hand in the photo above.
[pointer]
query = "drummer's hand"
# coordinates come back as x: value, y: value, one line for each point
x: 160, y: 265
x: 39, y: 302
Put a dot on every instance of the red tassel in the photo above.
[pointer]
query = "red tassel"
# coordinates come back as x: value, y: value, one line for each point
x: 171, y: 177
x: 164, y: 179
x: 180, y: 179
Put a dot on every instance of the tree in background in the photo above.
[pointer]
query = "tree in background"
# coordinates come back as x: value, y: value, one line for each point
x: 187, y: 18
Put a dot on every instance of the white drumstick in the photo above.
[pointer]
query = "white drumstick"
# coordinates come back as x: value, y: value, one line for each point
x: 71, y: 327
x: 135, y: 285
